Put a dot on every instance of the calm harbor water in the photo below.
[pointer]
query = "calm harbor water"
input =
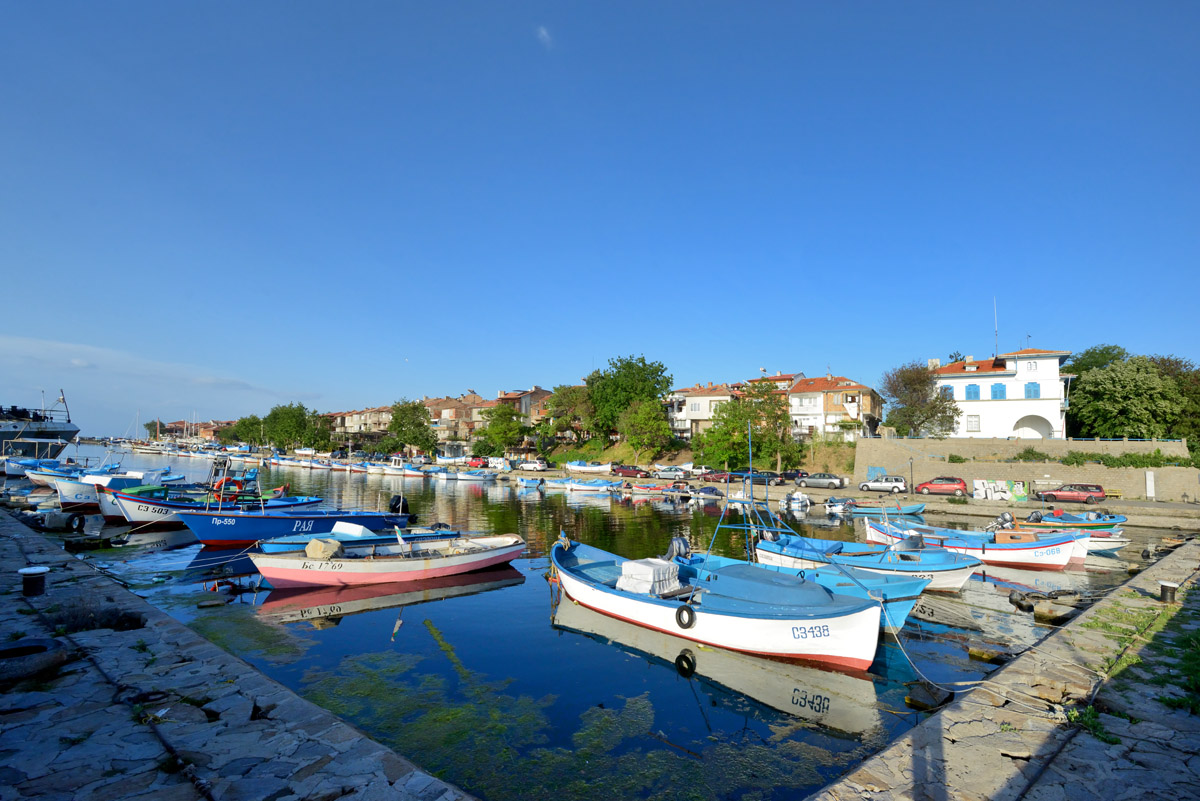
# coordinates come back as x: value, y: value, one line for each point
x: 489, y: 682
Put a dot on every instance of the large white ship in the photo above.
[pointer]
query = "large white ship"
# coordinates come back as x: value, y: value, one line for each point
x: 36, y: 433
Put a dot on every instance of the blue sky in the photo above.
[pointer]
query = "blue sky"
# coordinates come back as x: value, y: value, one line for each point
x: 211, y: 208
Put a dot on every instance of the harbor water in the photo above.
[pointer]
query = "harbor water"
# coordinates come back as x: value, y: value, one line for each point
x: 494, y: 682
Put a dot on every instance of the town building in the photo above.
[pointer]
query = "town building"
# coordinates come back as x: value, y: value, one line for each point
x: 1019, y: 394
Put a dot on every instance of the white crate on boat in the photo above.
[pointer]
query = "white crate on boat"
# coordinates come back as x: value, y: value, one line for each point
x: 648, y: 576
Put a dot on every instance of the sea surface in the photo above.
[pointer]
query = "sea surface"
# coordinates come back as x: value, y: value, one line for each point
x: 493, y: 682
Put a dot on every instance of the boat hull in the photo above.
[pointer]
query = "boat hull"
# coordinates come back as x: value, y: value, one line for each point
x: 284, y: 571
x: 220, y: 529
x: 1053, y: 555
x: 940, y: 580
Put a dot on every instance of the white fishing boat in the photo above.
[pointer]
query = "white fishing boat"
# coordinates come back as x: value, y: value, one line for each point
x: 584, y: 467
x: 749, y: 609
x: 1002, y: 548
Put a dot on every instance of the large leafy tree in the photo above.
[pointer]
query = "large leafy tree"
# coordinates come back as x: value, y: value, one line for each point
x: 625, y: 381
x: 410, y: 427
x: 505, y: 428
x: 725, y: 441
x: 285, y: 425
x: 154, y: 428
x: 1130, y: 398
x: 918, y: 408
x: 246, y: 429
x: 772, y: 424
x: 570, y: 408
x: 1096, y: 357
x: 644, y: 426
x: 1187, y: 378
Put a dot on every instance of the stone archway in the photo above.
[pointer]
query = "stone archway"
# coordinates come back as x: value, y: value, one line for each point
x: 1033, y: 425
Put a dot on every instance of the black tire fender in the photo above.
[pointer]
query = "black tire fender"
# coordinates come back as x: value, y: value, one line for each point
x: 685, y: 663
x: 685, y: 616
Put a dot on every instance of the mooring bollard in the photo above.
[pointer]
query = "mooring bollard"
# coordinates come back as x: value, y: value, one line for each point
x: 1166, y: 591
x: 33, y: 580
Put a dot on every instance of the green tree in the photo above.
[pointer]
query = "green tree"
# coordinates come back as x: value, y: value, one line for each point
x: 154, y: 429
x: 917, y: 405
x: 956, y: 356
x: 505, y: 428
x: 1128, y: 398
x: 1096, y: 357
x: 625, y: 381
x: 570, y: 408
x: 246, y: 429
x: 1187, y: 378
x: 286, y: 425
x: 725, y: 441
x: 644, y: 426
x: 410, y: 427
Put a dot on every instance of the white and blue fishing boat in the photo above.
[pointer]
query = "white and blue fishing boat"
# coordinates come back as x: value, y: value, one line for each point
x: 1006, y: 548
x: 578, y: 466
x: 531, y: 483
x: 1057, y: 518
x: 236, y: 529
x: 476, y: 475
x: 861, y: 508
x: 946, y: 571
x: 593, y: 485
x: 349, y: 533
x: 747, y: 609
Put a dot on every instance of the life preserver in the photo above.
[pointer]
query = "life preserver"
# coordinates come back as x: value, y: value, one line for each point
x: 219, y: 487
x: 685, y: 616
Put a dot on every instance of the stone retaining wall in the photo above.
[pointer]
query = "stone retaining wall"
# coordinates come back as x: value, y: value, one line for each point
x: 929, y: 460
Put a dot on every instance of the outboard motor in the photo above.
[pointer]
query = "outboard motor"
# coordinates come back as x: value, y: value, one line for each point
x: 1034, y: 517
x: 439, y: 526
x: 398, y: 505
x: 678, y: 547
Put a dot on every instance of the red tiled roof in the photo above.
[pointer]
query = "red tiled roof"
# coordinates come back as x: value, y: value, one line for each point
x: 826, y: 384
x: 996, y: 365
x: 700, y: 389
x: 1036, y: 352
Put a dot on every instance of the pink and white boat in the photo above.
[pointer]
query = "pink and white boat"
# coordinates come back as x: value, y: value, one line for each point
x: 327, y: 563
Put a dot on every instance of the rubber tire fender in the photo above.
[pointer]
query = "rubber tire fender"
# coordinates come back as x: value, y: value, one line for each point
x: 685, y: 663
x: 685, y: 616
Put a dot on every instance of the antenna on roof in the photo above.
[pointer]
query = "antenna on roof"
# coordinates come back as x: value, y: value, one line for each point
x: 1027, y: 338
x: 996, y: 316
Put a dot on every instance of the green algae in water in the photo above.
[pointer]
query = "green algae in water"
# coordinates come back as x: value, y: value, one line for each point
x: 245, y: 636
x: 494, y: 744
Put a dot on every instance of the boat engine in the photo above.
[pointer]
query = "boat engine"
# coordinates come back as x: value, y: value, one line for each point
x: 1034, y: 517
x: 678, y: 547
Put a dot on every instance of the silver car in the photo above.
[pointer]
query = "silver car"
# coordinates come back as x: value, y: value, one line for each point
x: 893, y: 484
x: 826, y: 480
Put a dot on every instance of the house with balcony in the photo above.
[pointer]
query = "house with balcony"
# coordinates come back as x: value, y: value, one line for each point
x: 690, y: 409
x: 822, y: 406
x: 525, y: 401
x: 1019, y: 394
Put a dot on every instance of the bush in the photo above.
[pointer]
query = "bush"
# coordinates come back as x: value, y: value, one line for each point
x: 954, y: 458
x: 1031, y: 455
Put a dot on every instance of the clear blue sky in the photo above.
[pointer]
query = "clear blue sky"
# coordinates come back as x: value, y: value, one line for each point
x: 210, y: 208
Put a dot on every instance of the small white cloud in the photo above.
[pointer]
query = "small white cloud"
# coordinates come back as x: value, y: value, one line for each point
x: 543, y: 36
x: 81, y: 363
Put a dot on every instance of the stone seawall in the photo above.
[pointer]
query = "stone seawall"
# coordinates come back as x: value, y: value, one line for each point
x: 929, y: 459
x: 156, y: 712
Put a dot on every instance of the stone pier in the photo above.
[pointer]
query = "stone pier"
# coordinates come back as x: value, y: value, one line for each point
x: 144, y: 708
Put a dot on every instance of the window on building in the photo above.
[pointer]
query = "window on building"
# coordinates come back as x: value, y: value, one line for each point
x: 998, y: 392
x: 1031, y: 366
x: 972, y: 422
x: 1033, y: 390
x: 972, y: 392
x: 694, y: 407
x: 948, y: 392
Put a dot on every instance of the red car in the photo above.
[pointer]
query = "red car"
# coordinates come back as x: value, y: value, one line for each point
x: 943, y: 485
x: 477, y: 461
x: 629, y: 472
x: 1087, y: 493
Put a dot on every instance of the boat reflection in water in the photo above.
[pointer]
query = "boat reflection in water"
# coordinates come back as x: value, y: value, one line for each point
x: 326, y: 606
x: 837, y: 701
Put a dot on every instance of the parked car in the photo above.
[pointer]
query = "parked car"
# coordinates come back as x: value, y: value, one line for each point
x: 421, y: 459
x: 794, y: 475
x: 629, y: 472
x: 477, y: 461
x: 1086, y: 493
x: 892, y: 484
x: 826, y: 480
x: 943, y: 485
x: 700, y: 469
x: 672, y: 473
x: 337, y: 455
x: 743, y: 473
x: 534, y: 464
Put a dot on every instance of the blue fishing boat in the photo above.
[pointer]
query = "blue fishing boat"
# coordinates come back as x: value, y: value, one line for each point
x: 233, y: 529
x: 1007, y: 548
x: 860, y: 508
x: 531, y: 483
x: 947, y: 571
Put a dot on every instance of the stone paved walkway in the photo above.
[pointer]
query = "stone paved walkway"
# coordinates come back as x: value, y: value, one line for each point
x: 157, y: 712
x: 1010, y: 739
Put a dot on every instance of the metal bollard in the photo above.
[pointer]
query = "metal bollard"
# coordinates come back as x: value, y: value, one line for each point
x: 1166, y: 591
x: 33, y: 580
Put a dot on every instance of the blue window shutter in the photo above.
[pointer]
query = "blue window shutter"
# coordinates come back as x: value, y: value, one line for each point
x: 998, y: 392
x: 972, y: 392
x: 1033, y: 390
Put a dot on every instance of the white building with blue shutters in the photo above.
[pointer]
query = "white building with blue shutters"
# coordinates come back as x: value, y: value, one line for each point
x: 1020, y: 394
